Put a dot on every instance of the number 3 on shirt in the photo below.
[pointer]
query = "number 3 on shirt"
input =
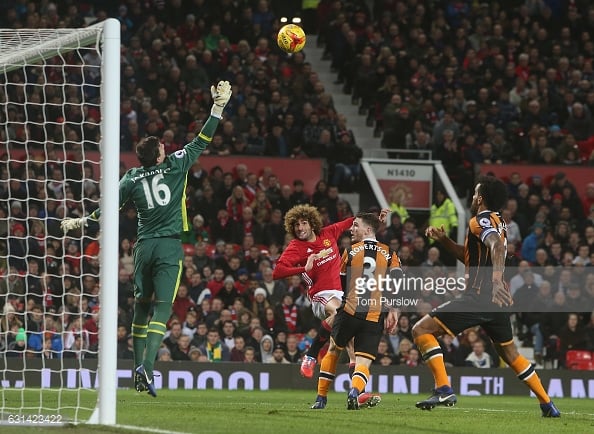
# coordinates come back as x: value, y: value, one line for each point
x: 160, y: 192
x: 369, y: 265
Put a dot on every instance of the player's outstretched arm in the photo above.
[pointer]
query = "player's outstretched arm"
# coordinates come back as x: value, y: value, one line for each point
x: 501, y: 294
x: 70, y: 224
x: 282, y: 270
x: 221, y: 94
x: 439, y: 235
x: 287, y: 264
x: 220, y: 97
x: 391, y: 321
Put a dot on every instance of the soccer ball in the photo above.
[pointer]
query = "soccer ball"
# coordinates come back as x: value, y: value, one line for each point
x: 291, y: 38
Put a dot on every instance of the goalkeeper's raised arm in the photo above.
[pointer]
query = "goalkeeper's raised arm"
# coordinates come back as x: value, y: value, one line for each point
x: 220, y: 96
x: 158, y: 190
x: 151, y: 153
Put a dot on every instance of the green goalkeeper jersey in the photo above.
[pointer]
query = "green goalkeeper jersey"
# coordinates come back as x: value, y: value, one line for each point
x: 158, y: 192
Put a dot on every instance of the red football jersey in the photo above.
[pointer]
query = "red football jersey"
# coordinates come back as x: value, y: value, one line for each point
x: 325, y: 273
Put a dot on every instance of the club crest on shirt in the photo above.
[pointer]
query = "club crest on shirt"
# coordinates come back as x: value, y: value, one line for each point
x: 485, y: 222
x: 327, y: 242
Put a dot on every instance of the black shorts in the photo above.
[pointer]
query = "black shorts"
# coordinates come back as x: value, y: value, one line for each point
x: 367, y: 334
x: 455, y: 318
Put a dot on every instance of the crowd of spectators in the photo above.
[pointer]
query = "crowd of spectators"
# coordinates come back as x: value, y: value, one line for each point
x: 471, y: 82
x: 171, y: 54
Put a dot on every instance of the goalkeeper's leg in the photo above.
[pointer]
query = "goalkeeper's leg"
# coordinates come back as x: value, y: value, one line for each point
x: 167, y: 271
x: 143, y: 292
x: 139, y: 328
x: 156, y: 330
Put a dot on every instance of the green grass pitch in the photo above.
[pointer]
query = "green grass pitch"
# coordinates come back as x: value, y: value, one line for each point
x: 287, y: 411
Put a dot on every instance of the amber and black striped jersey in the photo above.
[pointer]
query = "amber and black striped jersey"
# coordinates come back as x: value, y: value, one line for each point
x: 477, y: 256
x: 365, y: 265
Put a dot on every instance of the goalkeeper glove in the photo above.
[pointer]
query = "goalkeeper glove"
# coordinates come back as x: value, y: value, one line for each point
x: 220, y: 96
x: 69, y: 224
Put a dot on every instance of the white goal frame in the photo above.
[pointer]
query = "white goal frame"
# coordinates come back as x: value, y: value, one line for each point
x: 27, y: 46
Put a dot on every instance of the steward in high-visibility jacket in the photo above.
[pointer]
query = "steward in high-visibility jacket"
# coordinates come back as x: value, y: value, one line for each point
x: 443, y: 213
x: 309, y: 4
x: 401, y: 210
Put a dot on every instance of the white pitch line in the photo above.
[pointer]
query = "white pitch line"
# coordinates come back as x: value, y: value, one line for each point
x: 575, y: 413
x: 490, y: 410
x: 151, y: 430
x: 495, y: 410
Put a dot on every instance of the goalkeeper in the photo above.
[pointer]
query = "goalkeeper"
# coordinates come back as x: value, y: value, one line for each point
x: 157, y: 190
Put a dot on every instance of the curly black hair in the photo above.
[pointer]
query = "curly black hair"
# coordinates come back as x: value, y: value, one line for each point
x: 493, y: 191
x: 303, y: 212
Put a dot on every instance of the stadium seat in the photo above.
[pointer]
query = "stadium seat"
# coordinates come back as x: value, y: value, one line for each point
x: 579, y: 360
x: 189, y: 249
x: 210, y: 249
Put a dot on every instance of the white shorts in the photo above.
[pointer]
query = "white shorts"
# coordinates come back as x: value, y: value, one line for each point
x: 320, y: 299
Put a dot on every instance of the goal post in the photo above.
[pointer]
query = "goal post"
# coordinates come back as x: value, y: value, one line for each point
x: 59, y: 112
x: 105, y: 413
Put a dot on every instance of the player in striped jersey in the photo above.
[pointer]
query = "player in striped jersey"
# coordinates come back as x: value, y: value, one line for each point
x: 483, y: 254
x: 363, y: 313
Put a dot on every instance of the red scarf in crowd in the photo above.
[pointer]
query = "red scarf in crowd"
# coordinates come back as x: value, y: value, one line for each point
x: 290, y: 313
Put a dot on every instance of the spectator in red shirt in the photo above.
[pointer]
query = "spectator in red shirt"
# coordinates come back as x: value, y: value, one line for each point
x: 217, y: 282
x: 236, y: 202
x: 182, y: 302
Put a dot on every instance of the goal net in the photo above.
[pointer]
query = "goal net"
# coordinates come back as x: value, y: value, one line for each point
x: 59, y: 129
